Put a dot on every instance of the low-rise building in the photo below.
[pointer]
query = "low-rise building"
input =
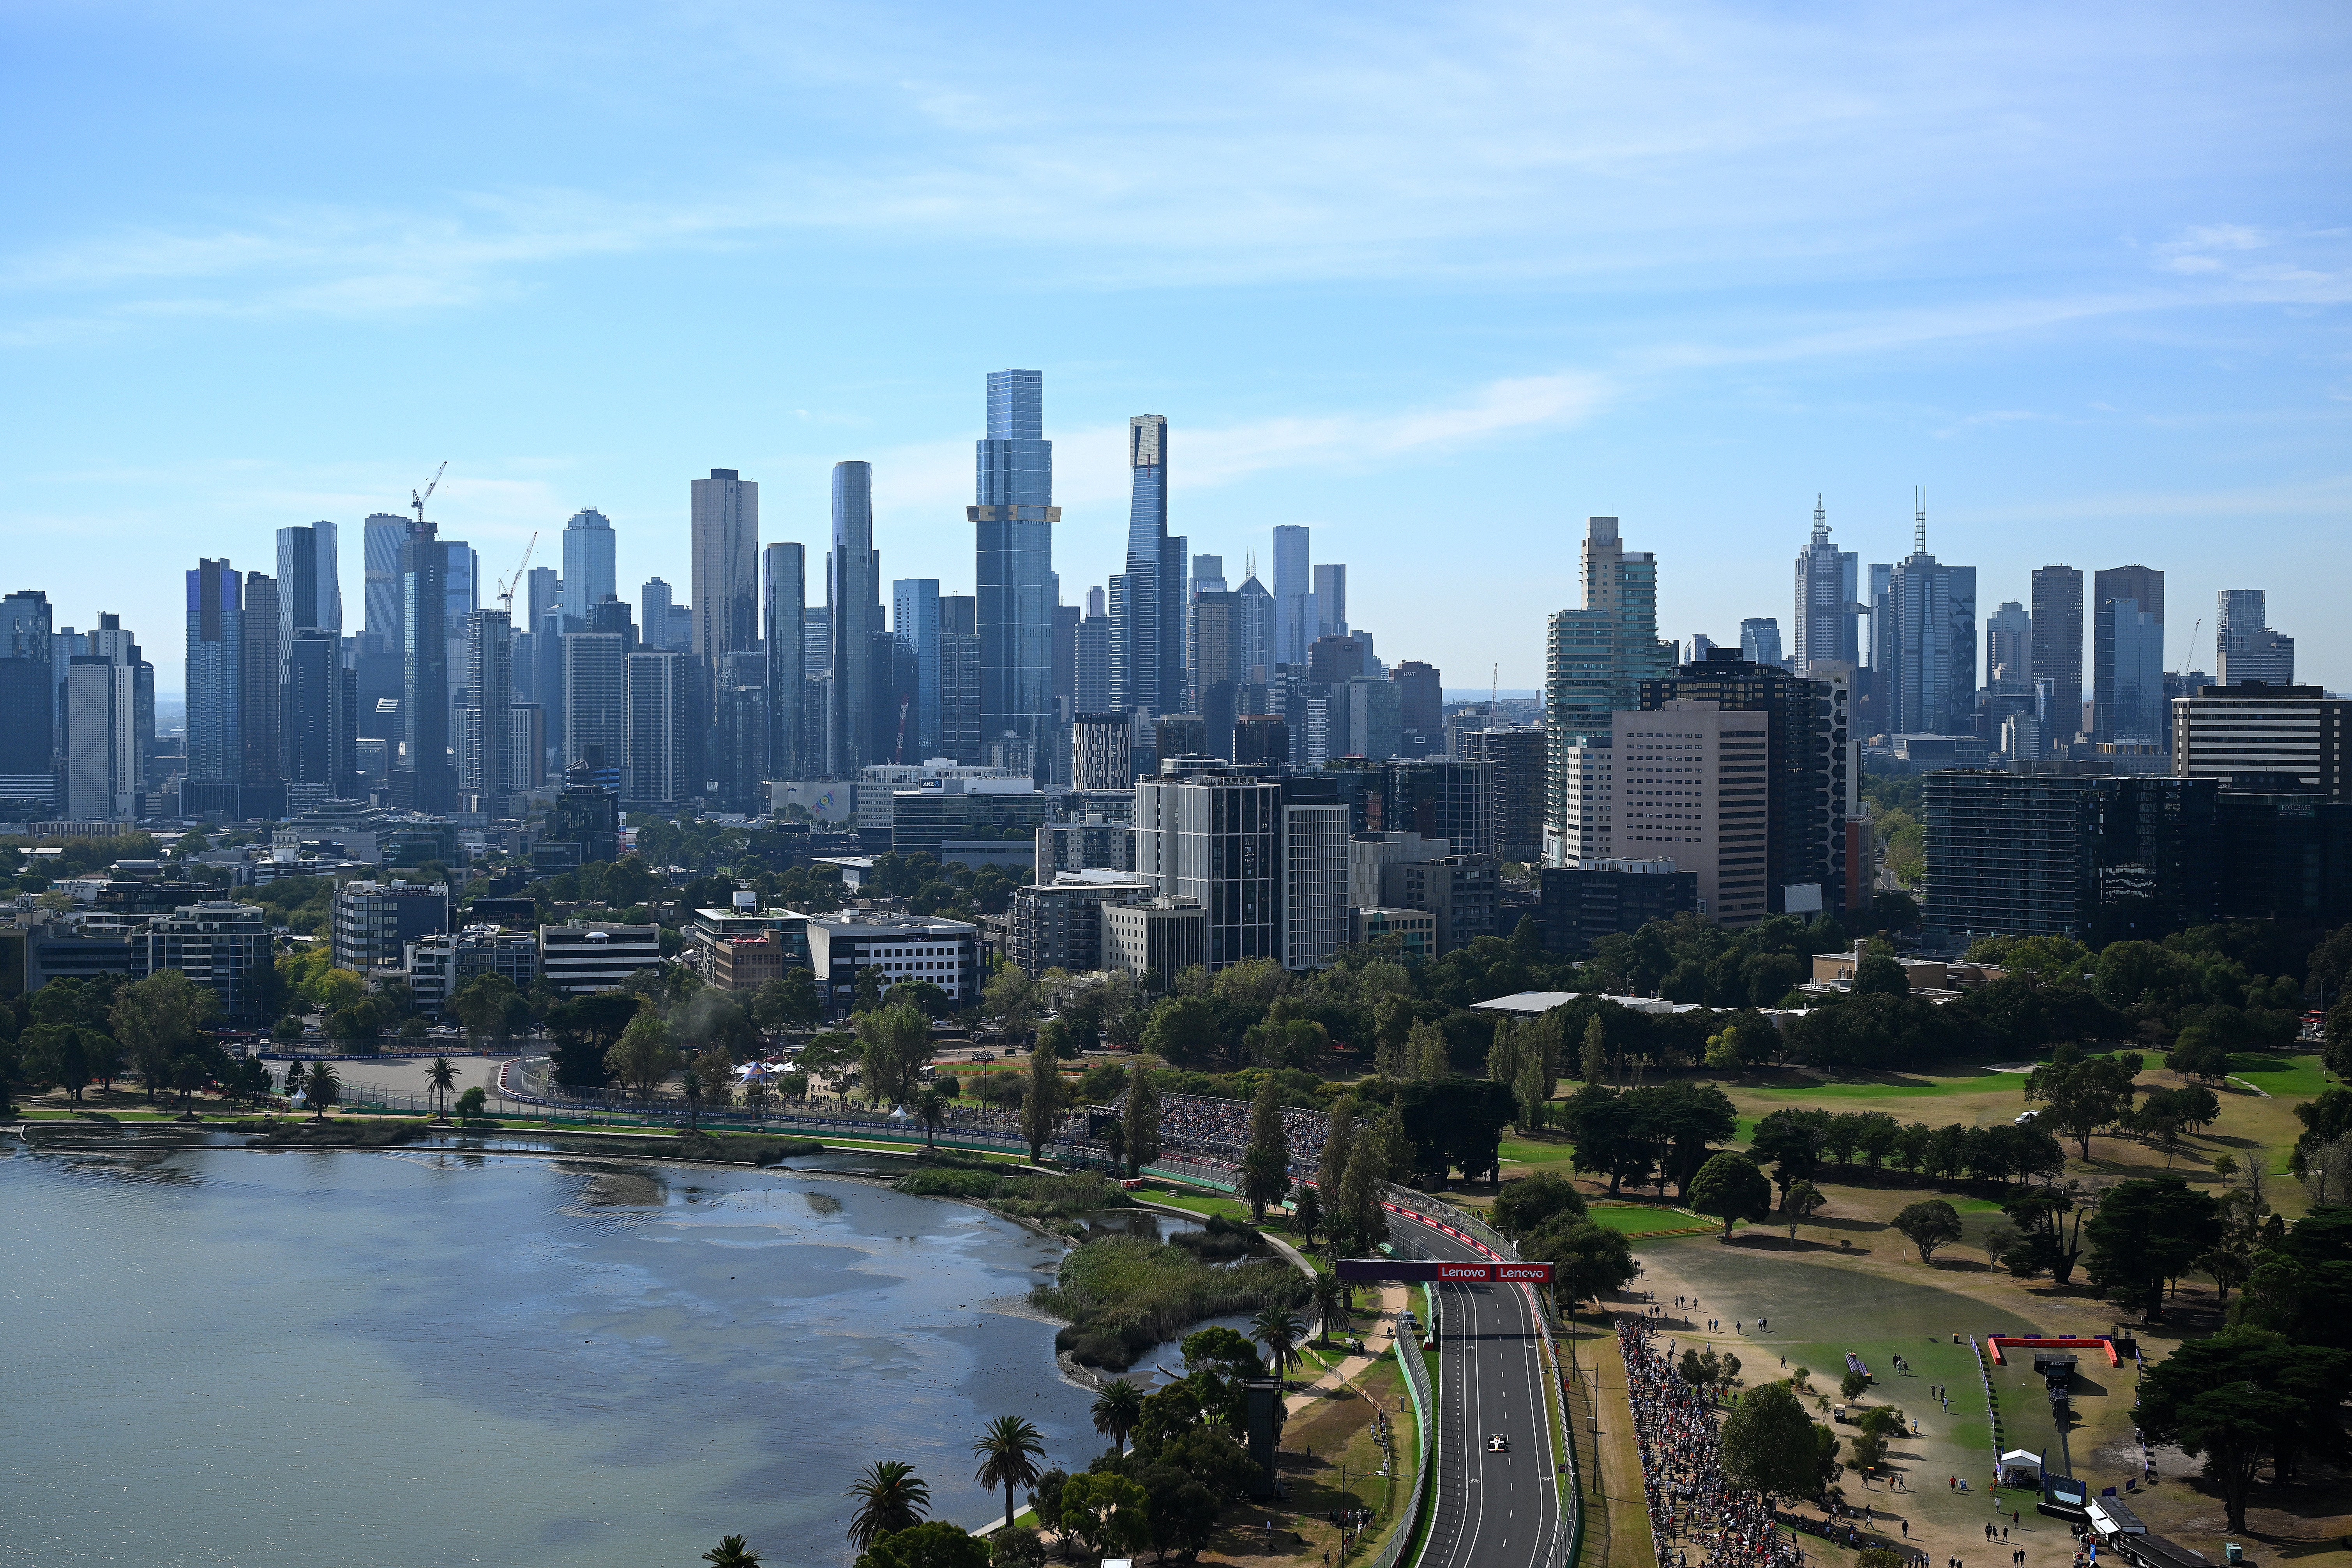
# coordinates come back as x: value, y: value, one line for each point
x: 922, y: 819
x: 1416, y: 928
x: 438, y: 967
x: 1592, y: 899
x: 576, y: 960
x: 1058, y: 924
x: 1158, y: 937
x: 375, y: 922
x: 904, y: 947
x: 778, y: 939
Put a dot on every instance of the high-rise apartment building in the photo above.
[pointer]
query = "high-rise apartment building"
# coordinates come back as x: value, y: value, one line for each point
x: 1924, y: 636
x: 28, y: 700
x: 261, y: 726
x: 1315, y: 907
x: 2248, y: 732
x: 1595, y: 659
x: 321, y: 717
x: 853, y: 593
x: 2128, y: 655
x: 215, y: 673
x: 1293, y: 596
x: 961, y: 737
x: 2009, y: 647
x: 1516, y: 757
x: 485, y: 765
x: 1442, y: 797
x: 726, y: 565
x: 1217, y: 837
x: 595, y: 699
x: 2057, y: 653
x: 1693, y: 786
x: 1012, y: 522
x: 589, y: 574
x: 1148, y: 599
x: 1331, y: 581
x: 782, y: 629
x: 1091, y: 658
x: 1828, y: 608
x: 103, y: 764
x: 309, y: 595
x: 2244, y: 645
x: 1102, y: 750
x: 662, y: 744
x: 423, y: 779
x: 1421, y: 706
x: 914, y: 622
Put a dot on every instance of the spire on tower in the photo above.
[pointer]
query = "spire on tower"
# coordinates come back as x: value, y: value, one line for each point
x: 1919, y: 521
x: 1821, y: 520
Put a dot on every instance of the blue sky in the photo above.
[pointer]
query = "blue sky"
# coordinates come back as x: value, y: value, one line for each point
x: 1437, y: 282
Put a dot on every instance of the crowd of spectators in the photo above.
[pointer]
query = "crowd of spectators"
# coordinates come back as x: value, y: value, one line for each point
x: 1690, y: 1498
x: 1220, y: 1127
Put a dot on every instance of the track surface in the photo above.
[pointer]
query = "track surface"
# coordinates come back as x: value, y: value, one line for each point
x: 1491, y: 1510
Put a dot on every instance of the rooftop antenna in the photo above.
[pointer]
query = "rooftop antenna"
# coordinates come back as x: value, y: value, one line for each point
x: 1919, y: 521
x: 1820, y: 519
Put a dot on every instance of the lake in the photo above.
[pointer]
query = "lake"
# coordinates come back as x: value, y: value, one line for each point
x: 224, y: 1356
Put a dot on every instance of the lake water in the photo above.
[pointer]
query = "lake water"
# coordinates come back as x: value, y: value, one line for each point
x: 223, y: 1356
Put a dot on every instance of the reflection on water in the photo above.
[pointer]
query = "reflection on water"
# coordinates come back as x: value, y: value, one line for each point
x: 441, y: 1355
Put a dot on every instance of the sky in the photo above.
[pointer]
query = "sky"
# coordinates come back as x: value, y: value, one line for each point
x: 1437, y: 282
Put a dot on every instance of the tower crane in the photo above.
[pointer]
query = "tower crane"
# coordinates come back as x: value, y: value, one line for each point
x: 431, y: 485
x: 506, y: 589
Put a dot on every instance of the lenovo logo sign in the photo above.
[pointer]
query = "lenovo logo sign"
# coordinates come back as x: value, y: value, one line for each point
x: 1465, y: 1271
x: 1534, y: 1273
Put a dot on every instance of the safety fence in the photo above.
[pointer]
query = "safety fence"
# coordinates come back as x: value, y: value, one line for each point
x: 1424, y: 1426
x: 1993, y: 1405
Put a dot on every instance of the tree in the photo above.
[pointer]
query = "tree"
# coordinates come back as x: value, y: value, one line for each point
x: 155, y: 1019
x: 1041, y: 1106
x: 732, y: 1551
x: 1009, y: 1451
x: 1105, y: 1513
x: 1593, y: 1062
x: 1361, y: 1222
x: 930, y: 1109
x: 1769, y: 1443
x: 1793, y: 1141
x: 890, y: 1498
x: 472, y: 1103
x: 644, y: 1056
x: 1138, y: 1122
x: 485, y: 1005
x: 1878, y: 976
x: 1183, y: 1032
x: 1279, y: 1330
x: 1730, y: 1187
x: 1587, y: 1258
x: 581, y: 1029
x: 896, y: 1044
x: 1537, y: 1200
x: 1425, y: 1050
x: 934, y: 1543
x: 1800, y: 1203
x: 2146, y: 1233
x: 442, y: 1078
x: 791, y: 1003
x: 1928, y: 1225
x: 1307, y: 1213
x: 1332, y: 1300
x: 1265, y: 1164
x: 1115, y: 1410
x: 324, y: 1087
x: 2084, y: 1093
x: 2242, y: 1395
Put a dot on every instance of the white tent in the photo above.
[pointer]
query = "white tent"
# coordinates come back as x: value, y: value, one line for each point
x: 2021, y: 1461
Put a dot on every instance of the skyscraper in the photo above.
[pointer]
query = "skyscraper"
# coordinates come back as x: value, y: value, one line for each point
x: 2008, y: 646
x: 1092, y: 657
x: 260, y: 728
x: 588, y: 564
x: 852, y: 593
x: 595, y: 699
x: 914, y: 622
x: 2246, y: 647
x: 654, y: 603
x: 28, y: 700
x: 660, y: 729
x: 2057, y: 655
x: 1013, y: 541
x: 783, y: 630
x: 959, y: 720
x: 1759, y: 641
x: 380, y: 538
x: 423, y: 778
x: 2127, y: 655
x: 1595, y: 659
x: 215, y: 673
x: 1146, y: 600
x: 1330, y: 600
x: 726, y: 581
x: 1293, y: 596
x: 1827, y: 625
x: 484, y: 770
x: 102, y: 764
x: 308, y: 593
x: 1925, y: 626
x: 321, y: 699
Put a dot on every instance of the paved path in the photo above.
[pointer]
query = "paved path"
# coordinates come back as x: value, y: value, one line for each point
x: 1347, y: 1370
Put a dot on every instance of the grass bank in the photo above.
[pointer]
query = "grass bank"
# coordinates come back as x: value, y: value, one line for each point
x: 1124, y: 1295
x: 1066, y: 1198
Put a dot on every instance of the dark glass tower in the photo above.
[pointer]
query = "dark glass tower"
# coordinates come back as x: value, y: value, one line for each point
x: 1012, y: 527
x: 1146, y: 600
x: 853, y: 594
x: 430, y: 782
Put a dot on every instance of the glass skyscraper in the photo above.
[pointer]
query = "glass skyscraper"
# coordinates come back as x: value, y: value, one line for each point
x: 853, y: 594
x: 1012, y: 522
x: 1146, y: 600
x: 588, y: 564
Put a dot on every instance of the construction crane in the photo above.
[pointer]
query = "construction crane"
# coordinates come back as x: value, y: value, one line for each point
x: 433, y: 484
x: 2190, y: 662
x: 507, y: 588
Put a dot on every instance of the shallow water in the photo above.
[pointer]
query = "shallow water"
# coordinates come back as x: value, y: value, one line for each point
x: 421, y: 1357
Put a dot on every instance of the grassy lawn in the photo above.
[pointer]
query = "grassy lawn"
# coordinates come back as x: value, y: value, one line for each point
x: 2288, y: 1078
x: 1642, y: 1220
x: 1895, y: 1086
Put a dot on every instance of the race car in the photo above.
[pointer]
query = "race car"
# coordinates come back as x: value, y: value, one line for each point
x: 1498, y: 1443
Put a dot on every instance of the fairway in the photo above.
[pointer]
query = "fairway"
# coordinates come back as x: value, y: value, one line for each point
x: 1640, y: 1221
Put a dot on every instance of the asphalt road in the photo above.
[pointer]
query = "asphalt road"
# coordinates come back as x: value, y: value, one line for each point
x: 1490, y: 1511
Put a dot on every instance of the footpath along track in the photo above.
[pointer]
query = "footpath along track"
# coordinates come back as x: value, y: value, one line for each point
x: 1487, y: 1510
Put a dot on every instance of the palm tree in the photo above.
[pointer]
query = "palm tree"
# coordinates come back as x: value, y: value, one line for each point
x: 443, y: 1078
x: 931, y: 1106
x: 1332, y: 1298
x: 326, y: 1086
x: 1279, y: 1330
x: 1117, y: 1409
x: 890, y: 1497
x: 732, y: 1551
x: 1009, y: 1451
x: 690, y: 1084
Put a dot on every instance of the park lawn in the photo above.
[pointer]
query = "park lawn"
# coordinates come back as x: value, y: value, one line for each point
x: 2287, y: 1077
x: 1896, y: 1086
x: 1640, y: 1221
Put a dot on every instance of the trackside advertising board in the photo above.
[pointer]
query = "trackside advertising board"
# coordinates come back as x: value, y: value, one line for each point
x: 1426, y: 1270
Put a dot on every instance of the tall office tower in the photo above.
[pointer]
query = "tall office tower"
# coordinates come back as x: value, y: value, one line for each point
x: 816, y: 650
x: 1759, y: 640
x: 1208, y: 577
x: 321, y: 717
x: 1092, y: 657
x: 726, y: 566
x: 1420, y: 707
x: 1331, y: 660
x: 380, y: 538
x: 2057, y: 656
x: 1330, y: 601
x: 308, y: 593
x: 659, y: 743
x: 896, y: 728
x: 1261, y: 740
x: 1698, y: 647
x: 2128, y: 655
x: 110, y: 642
x: 1595, y: 659
x: 542, y: 594
x: 2244, y: 645
x: 914, y: 622
x: 2297, y: 731
x: 595, y: 699
x: 654, y: 603
x: 852, y: 593
x: 215, y: 673
x: 737, y: 748
x: 1315, y: 913
x: 1293, y: 596
x: 1216, y: 837
x: 1926, y: 675
x: 960, y: 738
x: 2009, y: 647
x: 28, y: 701
x: 1516, y: 757
x: 485, y: 772
x: 1258, y: 620
x: 423, y: 779
x: 1066, y: 660
x: 1013, y: 553
x: 588, y: 564
x: 1220, y: 676
x: 102, y: 764
x: 784, y: 627
x: 1813, y: 777
x: 261, y: 724
x: 547, y: 674
x: 1146, y: 600
x: 1102, y: 750
x: 1440, y: 797
x: 1690, y: 780
x: 1829, y: 607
